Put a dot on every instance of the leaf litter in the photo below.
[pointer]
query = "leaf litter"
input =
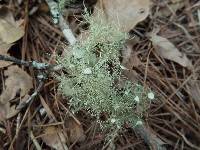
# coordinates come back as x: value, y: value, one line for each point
x: 17, y: 81
x: 167, y: 50
x: 124, y: 13
x: 58, y: 138
x: 176, y: 109
x: 10, y: 32
x: 55, y: 138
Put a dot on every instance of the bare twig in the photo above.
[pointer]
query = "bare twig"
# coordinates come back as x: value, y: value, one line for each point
x: 33, y: 64
x: 35, y: 142
x: 58, y: 19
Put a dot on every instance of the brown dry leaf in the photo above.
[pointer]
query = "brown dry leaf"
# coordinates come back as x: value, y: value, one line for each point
x: 18, y: 81
x: 75, y: 131
x: 7, y: 111
x: 55, y: 138
x: 125, y: 13
x: 9, y: 32
x: 167, y: 50
x: 9, y: 28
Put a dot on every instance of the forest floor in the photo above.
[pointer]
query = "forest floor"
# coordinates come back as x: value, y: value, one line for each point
x: 173, y: 119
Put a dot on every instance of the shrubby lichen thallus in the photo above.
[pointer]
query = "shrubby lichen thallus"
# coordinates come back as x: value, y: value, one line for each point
x: 63, y: 3
x: 93, y: 69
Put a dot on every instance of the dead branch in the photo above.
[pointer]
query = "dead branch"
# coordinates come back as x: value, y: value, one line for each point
x: 58, y: 19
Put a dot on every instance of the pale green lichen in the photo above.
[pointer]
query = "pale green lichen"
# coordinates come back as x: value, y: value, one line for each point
x: 63, y: 3
x: 94, y: 70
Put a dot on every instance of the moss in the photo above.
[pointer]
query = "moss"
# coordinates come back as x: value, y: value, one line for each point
x: 93, y: 73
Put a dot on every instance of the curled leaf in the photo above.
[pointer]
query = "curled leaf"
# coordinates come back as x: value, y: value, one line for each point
x: 125, y: 13
x: 55, y: 138
x: 75, y: 131
x: 167, y: 50
x: 9, y: 28
x: 10, y: 32
x: 18, y: 81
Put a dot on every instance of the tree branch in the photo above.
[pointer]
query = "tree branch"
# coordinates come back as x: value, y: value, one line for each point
x: 33, y: 64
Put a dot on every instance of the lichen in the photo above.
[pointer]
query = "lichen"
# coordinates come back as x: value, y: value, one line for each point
x: 93, y: 73
x: 63, y: 3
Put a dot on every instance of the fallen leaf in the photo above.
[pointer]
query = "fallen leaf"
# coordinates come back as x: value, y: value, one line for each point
x: 7, y: 111
x: 167, y: 50
x: 75, y: 131
x: 55, y: 138
x: 18, y: 81
x: 9, y: 28
x: 125, y: 13
x: 10, y: 32
x: 10, y: 111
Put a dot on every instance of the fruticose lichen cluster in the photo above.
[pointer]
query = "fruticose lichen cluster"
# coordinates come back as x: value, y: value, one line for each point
x: 93, y: 75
